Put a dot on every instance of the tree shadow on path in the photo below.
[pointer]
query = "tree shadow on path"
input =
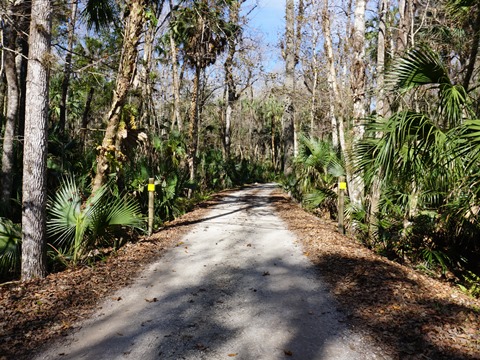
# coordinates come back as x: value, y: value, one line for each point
x: 400, y: 312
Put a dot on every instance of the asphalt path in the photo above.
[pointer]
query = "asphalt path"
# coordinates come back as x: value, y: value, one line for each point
x: 236, y: 287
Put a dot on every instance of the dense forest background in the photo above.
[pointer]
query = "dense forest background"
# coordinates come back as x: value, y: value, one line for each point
x: 98, y: 96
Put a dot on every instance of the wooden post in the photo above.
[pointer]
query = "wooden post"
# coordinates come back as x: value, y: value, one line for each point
x: 342, y: 186
x: 151, y: 197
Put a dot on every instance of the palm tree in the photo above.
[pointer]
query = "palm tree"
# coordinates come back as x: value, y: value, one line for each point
x: 202, y: 33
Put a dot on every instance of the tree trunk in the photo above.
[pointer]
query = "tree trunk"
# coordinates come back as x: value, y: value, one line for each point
x: 35, y: 143
x: 176, y: 117
x: 404, y: 31
x: 13, y: 95
x: 338, y: 134
x: 300, y: 18
x: 22, y: 24
x: 274, y: 153
x: 193, y: 127
x: 231, y: 95
x: 126, y: 71
x: 147, y: 105
x: 381, y: 109
x: 289, y: 110
x: 67, y: 70
x: 473, y: 50
x: 355, y: 182
x: 85, y: 115
x: 381, y: 106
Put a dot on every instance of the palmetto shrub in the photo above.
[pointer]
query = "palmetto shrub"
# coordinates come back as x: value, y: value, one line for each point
x: 426, y: 162
x: 10, y: 239
x: 78, y: 223
x: 318, y: 166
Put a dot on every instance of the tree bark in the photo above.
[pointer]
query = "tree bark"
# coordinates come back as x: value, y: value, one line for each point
x: 355, y: 182
x: 193, y: 127
x: 176, y: 117
x: 338, y: 133
x: 473, y: 50
x: 35, y: 143
x: 404, y: 31
x: 13, y: 95
x: 147, y: 105
x: 289, y: 109
x: 67, y: 70
x: 22, y: 24
x: 231, y: 95
x: 126, y: 71
x: 85, y: 115
x: 381, y: 108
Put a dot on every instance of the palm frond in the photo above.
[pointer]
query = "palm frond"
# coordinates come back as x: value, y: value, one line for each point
x: 10, y: 240
x: 318, y: 197
x: 64, y: 210
x: 470, y: 139
x: 76, y: 222
x: 99, y: 13
x: 420, y: 66
x: 126, y: 212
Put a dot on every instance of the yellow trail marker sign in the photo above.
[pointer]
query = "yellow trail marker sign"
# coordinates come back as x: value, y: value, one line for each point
x: 342, y: 185
x: 151, y: 187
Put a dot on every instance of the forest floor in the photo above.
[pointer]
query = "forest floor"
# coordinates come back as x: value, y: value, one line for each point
x: 407, y: 314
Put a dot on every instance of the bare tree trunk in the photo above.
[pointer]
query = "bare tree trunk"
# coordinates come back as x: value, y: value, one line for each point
x: 23, y: 9
x: 274, y: 153
x: 473, y: 50
x: 355, y: 182
x: 289, y: 110
x: 231, y: 95
x: 193, y: 127
x: 126, y: 71
x: 381, y: 107
x: 67, y: 70
x: 86, y: 112
x: 338, y: 133
x: 147, y: 105
x: 12, y: 103
x: 405, y: 32
x: 316, y: 27
x: 35, y: 143
x: 147, y: 108
x: 176, y: 117
x: 298, y: 41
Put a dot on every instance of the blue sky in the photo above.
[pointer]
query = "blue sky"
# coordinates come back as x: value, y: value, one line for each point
x: 267, y: 19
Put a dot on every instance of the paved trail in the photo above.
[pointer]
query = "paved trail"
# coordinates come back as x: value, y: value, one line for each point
x: 238, y: 287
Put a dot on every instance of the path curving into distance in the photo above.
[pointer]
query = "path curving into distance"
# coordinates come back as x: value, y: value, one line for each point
x: 237, y: 287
